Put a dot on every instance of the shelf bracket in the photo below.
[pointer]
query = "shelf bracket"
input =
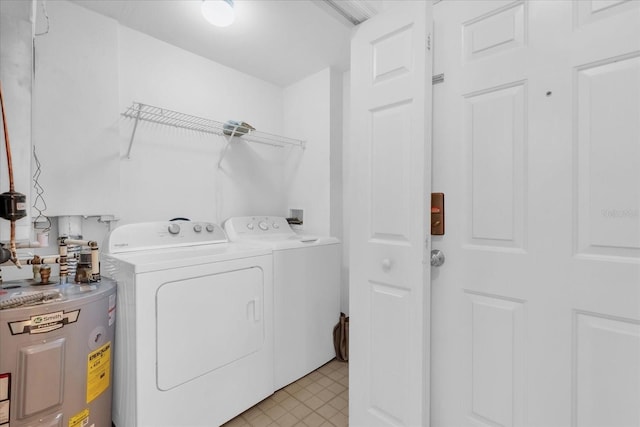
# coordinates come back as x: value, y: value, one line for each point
x: 133, y: 133
x: 226, y: 147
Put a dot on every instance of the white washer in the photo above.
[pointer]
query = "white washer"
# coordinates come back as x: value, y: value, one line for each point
x: 194, y: 337
x: 306, y: 277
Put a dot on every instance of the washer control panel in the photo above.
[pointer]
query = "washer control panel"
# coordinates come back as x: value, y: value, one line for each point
x: 246, y: 226
x: 156, y: 235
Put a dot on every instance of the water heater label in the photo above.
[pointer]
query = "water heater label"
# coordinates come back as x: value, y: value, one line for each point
x: 98, y: 371
x: 81, y: 419
x: 43, y: 323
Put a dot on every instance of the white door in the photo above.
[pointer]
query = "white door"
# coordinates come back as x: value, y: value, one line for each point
x: 536, y: 312
x: 391, y: 157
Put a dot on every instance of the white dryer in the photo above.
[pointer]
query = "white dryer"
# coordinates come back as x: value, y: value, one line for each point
x: 194, y: 338
x: 306, y: 276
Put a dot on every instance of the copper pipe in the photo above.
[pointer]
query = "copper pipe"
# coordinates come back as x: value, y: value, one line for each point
x: 7, y: 144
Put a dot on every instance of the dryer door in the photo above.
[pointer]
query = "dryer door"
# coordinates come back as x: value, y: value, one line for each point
x: 207, y: 322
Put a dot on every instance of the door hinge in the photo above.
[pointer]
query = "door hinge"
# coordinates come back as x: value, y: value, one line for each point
x: 429, y: 42
x: 438, y: 78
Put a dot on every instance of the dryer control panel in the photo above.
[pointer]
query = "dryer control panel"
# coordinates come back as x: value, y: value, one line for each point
x: 164, y: 234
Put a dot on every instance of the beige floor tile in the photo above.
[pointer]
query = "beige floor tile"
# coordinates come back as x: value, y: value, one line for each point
x: 304, y: 381
x: 314, y: 388
x: 327, y: 411
x: 300, y: 411
x: 320, y: 399
x: 251, y: 413
x: 287, y: 420
x: 326, y: 369
x: 290, y: 403
x: 275, y: 412
x: 339, y: 403
x: 335, y: 375
x: 313, y: 420
x: 261, y: 421
x: 339, y: 420
x: 302, y: 395
x: 314, y: 402
x: 325, y: 395
x: 314, y: 376
x: 344, y: 381
x: 335, y: 363
x: 292, y: 388
x: 267, y: 403
x: 325, y: 381
x: 336, y: 388
x: 280, y: 395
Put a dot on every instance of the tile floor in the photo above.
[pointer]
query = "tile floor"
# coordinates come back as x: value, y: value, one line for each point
x: 320, y: 399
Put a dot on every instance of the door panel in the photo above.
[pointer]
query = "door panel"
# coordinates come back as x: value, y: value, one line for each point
x: 389, y: 280
x: 496, y: 137
x: 607, y: 101
x: 536, y: 313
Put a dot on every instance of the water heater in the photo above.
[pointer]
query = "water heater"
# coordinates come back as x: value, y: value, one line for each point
x: 56, y: 354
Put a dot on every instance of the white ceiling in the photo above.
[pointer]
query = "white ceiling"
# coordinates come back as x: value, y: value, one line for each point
x: 280, y: 41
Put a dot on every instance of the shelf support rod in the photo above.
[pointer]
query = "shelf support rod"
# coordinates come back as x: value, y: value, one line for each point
x: 133, y: 133
x: 226, y: 147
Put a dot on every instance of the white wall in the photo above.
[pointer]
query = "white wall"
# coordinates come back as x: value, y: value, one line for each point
x: 175, y: 172
x: 313, y: 111
x: 307, y: 115
x: 15, y: 74
x: 90, y: 69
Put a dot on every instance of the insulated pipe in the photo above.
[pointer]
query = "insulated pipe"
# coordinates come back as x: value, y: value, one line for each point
x: 95, y: 255
x: 62, y: 251
x: 36, y: 260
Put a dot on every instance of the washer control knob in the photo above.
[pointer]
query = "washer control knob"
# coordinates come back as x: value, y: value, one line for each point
x: 197, y: 228
x: 174, y: 228
x: 263, y: 226
x: 250, y: 226
x: 275, y: 225
x: 210, y: 228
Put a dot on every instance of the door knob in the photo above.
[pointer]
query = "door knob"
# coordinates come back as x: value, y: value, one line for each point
x: 437, y: 258
x: 386, y: 264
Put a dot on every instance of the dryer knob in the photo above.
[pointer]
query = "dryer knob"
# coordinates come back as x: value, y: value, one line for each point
x: 250, y: 226
x: 197, y: 228
x: 275, y: 225
x: 263, y: 226
x: 210, y: 228
x: 174, y: 228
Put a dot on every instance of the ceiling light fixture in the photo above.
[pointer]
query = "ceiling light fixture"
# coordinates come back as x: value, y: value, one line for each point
x: 218, y: 12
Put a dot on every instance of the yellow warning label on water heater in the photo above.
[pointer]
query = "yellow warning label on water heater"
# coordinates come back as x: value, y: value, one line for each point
x: 98, y: 371
x: 80, y: 419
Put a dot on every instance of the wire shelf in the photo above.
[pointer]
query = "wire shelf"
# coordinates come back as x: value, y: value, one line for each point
x: 148, y: 113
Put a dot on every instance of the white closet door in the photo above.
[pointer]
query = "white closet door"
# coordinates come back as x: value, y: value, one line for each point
x: 391, y: 158
x: 536, y: 314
